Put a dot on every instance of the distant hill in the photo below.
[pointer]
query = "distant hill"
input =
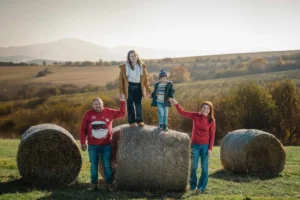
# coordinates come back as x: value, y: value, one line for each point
x: 66, y: 49
x: 73, y: 49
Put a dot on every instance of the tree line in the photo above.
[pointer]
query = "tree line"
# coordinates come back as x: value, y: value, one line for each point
x: 272, y: 107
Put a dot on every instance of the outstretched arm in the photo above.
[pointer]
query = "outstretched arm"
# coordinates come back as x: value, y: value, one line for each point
x: 119, y: 113
x: 189, y: 115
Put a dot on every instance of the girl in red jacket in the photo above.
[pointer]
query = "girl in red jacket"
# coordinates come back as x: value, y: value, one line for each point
x: 203, y: 136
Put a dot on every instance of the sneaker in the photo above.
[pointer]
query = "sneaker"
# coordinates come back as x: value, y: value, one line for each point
x: 93, y: 187
x: 160, y: 127
x: 109, y: 187
x: 132, y: 125
x: 199, y: 191
x: 165, y: 127
x: 141, y: 124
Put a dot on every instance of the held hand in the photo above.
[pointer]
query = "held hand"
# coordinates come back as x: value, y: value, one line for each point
x: 149, y: 95
x: 122, y: 97
x: 83, y: 147
x: 209, y: 153
x: 173, y: 101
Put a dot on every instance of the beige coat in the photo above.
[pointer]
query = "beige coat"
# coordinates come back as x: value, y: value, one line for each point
x: 123, y: 81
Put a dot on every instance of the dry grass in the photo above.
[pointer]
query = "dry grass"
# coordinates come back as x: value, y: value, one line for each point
x: 79, y: 76
x: 22, y: 73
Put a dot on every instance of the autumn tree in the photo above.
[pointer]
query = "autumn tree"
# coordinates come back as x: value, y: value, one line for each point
x: 100, y: 62
x: 68, y: 63
x: 180, y: 74
x: 106, y: 63
x: 258, y: 65
x: 286, y: 97
x: 167, y: 60
x: 247, y: 106
x: 242, y: 65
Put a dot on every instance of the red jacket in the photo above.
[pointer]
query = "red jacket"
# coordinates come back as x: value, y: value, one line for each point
x: 203, y: 131
x: 96, y: 127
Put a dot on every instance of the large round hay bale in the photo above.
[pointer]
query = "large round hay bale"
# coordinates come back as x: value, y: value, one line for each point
x: 149, y: 159
x: 49, y: 156
x: 254, y: 151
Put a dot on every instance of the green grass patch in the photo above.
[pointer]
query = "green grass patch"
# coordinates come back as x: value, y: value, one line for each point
x: 222, y: 184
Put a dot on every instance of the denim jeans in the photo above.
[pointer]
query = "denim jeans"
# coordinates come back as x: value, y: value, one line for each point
x: 162, y: 113
x: 199, y: 151
x: 134, y: 101
x: 94, y: 152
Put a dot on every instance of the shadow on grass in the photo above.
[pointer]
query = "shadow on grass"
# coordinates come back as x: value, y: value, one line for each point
x: 82, y: 194
x: 17, y: 185
x: 78, y: 191
x: 240, y: 177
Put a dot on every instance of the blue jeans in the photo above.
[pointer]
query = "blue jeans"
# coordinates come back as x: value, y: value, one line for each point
x: 199, y: 151
x: 94, y: 152
x: 162, y: 113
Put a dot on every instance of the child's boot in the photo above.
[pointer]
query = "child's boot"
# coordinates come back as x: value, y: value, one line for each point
x: 165, y: 127
x: 160, y: 127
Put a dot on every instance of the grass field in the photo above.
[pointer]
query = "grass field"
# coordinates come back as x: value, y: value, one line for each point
x: 79, y: 76
x: 222, y: 184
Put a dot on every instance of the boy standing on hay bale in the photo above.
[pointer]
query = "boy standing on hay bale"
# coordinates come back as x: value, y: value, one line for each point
x: 203, y: 136
x: 96, y: 128
x: 163, y: 90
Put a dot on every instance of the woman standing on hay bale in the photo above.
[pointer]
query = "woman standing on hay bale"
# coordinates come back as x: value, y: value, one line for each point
x: 133, y: 85
x: 203, y: 136
x: 96, y: 127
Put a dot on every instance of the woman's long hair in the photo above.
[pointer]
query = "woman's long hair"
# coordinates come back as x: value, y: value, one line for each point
x: 139, y: 60
x: 211, y: 116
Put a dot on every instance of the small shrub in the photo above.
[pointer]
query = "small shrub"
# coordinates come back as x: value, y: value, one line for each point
x: 43, y: 73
